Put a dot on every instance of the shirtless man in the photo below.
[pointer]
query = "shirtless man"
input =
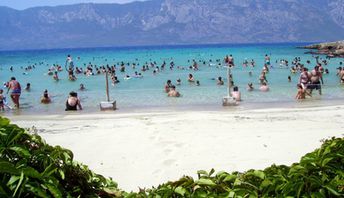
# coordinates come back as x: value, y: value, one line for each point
x: 173, y: 92
x: 316, y: 79
x: 15, y: 88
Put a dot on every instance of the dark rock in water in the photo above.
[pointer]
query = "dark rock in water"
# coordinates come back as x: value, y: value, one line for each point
x: 331, y: 49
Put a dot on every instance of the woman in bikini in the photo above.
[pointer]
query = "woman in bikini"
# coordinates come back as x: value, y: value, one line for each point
x: 15, y: 88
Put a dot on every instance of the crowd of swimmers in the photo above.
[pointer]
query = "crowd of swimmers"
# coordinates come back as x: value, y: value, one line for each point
x: 309, y: 80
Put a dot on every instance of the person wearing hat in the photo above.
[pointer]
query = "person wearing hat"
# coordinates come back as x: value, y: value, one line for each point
x: 73, y: 102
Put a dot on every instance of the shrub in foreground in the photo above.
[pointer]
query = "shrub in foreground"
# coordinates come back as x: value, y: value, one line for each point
x: 31, y: 168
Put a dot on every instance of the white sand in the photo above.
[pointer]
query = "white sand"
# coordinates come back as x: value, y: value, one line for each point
x: 151, y: 148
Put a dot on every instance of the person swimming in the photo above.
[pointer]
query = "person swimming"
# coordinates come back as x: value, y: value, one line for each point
x: 219, y: 81
x: 28, y: 87
x: 264, y: 87
x: 73, y: 102
x: 55, y: 76
x: 191, y: 78
x: 173, y: 92
x: 250, y: 87
x: 82, y: 87
x: 45, y: 99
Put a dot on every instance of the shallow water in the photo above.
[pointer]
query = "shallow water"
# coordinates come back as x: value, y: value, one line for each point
x: 147, y: 93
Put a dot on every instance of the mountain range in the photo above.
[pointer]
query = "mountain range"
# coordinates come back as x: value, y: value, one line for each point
x: 171, y: 22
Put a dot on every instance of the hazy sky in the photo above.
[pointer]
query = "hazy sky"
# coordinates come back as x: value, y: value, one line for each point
x: 23, y: 4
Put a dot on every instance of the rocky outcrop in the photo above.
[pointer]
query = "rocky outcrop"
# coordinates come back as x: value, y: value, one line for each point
x: 332, y: 49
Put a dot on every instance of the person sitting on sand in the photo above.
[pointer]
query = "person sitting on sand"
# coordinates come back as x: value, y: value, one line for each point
x: 301, y: 92
x: 220, y: 81
x: 173, y: 92
x: 264, y: 87
x: 236, y: 93
x: 45, y: 99
x: 250, y: 87
x: 73, y: 102
x: 191, y: 78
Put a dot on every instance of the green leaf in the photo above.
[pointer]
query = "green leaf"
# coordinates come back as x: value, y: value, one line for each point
x: 54, y: 190
x: 230, y: 178
x: 212, y: 171
x: 202, y: 173
x: 62, y: 174
x: 4, y: 121
x: 20, y: 151
x: 326, y: 160
x: 31, y: 172
x: 37, y: 191
x: 6, y: 167
x: 180, y: 190
x: 332, y: 191
x: 19, y: 184
x: 207, y: 182
x: 259, y: 174
x: 49, y: 170
x: 231, y: 194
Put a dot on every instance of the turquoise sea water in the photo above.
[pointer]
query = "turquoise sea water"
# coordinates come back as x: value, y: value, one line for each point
x: 148, y: 93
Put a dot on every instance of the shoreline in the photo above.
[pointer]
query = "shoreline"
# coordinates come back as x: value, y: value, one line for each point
x: 243, y: 106
x: 149, y: 148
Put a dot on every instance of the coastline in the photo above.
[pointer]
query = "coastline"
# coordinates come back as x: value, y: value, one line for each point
x: 142, y: 149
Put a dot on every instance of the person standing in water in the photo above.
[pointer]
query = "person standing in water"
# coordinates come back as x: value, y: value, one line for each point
x: 173, y: 92
x: 15, y: 88
x: 73, y: 102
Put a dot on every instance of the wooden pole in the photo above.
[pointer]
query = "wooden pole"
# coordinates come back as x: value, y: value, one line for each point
x: 107, y: 86
x: 229, y: 82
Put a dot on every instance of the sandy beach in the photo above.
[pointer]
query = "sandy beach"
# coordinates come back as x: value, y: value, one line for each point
x: 146, y: 149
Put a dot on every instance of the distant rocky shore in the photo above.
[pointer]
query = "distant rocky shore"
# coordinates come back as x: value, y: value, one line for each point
x: 331, y: 49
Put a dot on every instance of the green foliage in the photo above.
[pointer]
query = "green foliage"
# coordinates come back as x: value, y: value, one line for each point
x: 31, y: 168
x: 319, y: 174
